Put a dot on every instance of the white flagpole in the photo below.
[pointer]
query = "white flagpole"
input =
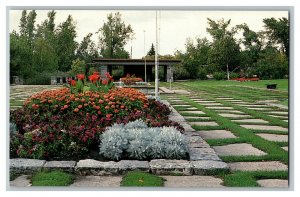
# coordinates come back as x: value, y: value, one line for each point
x: 145, y: 55
x: 156, y: 61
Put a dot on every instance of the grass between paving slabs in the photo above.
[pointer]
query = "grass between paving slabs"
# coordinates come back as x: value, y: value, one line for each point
x: 14, y: 102
x: 52, y: 178
x: 255, y: 114
x: 248, y: 179
x: 274, y: 151
x: 142, y: 179
x: 241, y: 93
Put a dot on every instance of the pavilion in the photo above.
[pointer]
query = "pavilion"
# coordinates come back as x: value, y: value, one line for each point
x: 136, y: 67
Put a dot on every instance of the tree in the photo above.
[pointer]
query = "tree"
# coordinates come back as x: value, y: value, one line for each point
x: 30, y: 27
x: 224, y: 50
x: 114, y: 35
x: 253, y: 46
x: 44, y: 57
x: 20, y: 56
x: 277, y: 31
x: 196, y: 56
x: 151, y: 52
x: 87, y: 50
x: 272, y: 64
x: 23, y: 23
x: 67, y: 45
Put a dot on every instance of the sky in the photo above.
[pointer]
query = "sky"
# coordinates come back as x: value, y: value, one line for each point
x: 175, y: 26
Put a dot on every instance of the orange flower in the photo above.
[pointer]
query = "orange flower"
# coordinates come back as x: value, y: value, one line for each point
x: 99, y: 112
x: 76, y: 110
x: 101, y: 101
x: 66, y: 106
x: 116, y: 111
x: 79, y: 106
x: 106, y: 107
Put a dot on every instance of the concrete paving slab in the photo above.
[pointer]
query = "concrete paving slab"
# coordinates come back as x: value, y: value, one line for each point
x: 228, y: 115
x: 251, y: 121
x: 280, y: 117
x: 211, y: 104
x: 253, y: 105
x: 273, y: 183
x: 241, y: 149
x: 218, y: 107
x: 193, y: 112
x: 274, y: 137
x: 192, y: 181
x: 230, y: 111
x: 191, y: 108
x: 21, y: 181
x: 196, y: 117
x: 264, y: 127
x: 279, y: 113
x: 216, y: 134
x: 181, y: 105
x: 224, y: 98
x: 260, y: 109
x: 97, y: 181
x: 286, y: 148
x: 205, y: 101
x: 258, y: 166
x: 204, y: 123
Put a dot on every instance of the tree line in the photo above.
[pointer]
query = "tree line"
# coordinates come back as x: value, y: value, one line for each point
x: 38, y: 51
x: 264, y: 54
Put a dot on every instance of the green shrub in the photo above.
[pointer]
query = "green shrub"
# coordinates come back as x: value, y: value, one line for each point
x: 180, y: 72
x: 219, y: 75
x: 234, y: 75
x: 135, y: 140
x: 202, y: 73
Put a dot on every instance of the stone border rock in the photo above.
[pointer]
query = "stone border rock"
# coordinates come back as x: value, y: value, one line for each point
x: 203, y: 160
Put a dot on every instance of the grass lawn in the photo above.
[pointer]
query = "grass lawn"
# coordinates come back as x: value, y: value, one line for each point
x: 282, y: 84
x: 141, y: 179
x: 54, y: 178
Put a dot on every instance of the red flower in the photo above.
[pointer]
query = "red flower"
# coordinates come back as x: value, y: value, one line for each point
x: 73, y: 83
x: 80, y: 76
x: 94, y: 77
x: 104, y: 82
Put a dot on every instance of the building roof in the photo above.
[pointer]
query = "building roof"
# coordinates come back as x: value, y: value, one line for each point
x: 103, y: 61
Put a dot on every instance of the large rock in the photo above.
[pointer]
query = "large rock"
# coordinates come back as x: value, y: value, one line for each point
x: 97, y: 168
x: 67, y: 166
x: 195, y: 141
x: 203, y: 154
x: 203, y: 167
x: 129, y: 165
x: 25, y: 166
x: 170, y: 167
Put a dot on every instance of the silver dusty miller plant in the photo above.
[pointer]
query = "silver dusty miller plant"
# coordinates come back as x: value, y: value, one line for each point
x: 137, y: 141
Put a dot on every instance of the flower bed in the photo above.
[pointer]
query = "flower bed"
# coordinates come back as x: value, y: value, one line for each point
x: 245, y: 79
x: 61, y: 124
x: 130, y: 80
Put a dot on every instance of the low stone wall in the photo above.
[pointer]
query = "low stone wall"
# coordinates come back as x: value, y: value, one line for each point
x: 203, y: 160
x: 100, y: 168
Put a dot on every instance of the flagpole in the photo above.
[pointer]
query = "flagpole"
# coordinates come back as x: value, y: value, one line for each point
x: 145, y: 55
x: 156, y: 61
